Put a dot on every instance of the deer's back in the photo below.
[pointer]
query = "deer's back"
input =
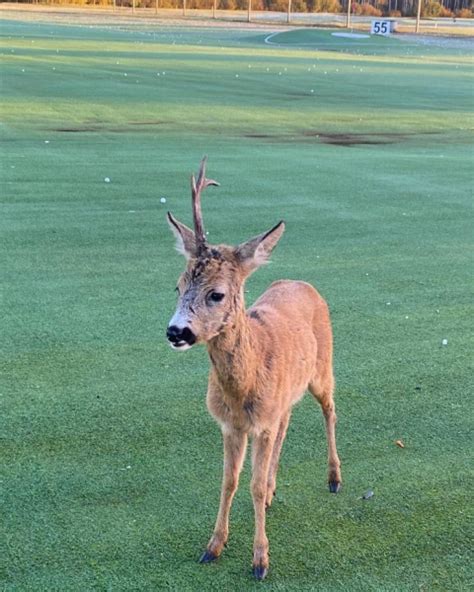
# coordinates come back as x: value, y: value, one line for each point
x: 293, y: 299
x: 291, y: 320
x: 294, y: 306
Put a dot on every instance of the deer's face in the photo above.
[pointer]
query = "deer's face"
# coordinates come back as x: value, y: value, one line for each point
x: 210, y: 290
x: 208, y: 294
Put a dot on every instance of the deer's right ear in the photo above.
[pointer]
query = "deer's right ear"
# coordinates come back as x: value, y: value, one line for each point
x: 185, y: 239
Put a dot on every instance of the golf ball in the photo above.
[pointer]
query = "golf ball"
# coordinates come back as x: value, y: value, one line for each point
x: 107, y: 180
x: 163, y: 200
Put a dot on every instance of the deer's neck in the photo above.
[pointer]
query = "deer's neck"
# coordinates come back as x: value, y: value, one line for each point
x: 233, y: 356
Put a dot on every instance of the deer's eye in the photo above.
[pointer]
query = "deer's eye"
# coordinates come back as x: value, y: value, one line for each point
x: 216, y: 296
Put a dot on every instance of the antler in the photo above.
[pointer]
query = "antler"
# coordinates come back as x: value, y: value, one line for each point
x: 196, y: 188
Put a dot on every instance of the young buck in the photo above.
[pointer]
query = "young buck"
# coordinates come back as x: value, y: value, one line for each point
x: 262, y: 360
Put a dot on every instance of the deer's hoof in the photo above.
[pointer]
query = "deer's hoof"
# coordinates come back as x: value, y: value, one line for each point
x: 334, y: 486
x: 260, y: 572
x: 207, y: 557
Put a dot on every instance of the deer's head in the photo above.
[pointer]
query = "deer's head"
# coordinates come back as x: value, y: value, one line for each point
x: 211, y: 288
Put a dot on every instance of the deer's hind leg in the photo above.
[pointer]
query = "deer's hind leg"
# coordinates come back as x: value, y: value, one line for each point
x: 322, y: 388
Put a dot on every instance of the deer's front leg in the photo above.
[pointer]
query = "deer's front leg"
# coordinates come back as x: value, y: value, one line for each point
x: 261, y: 455
x: 235, y: 443
x: 275, y: 458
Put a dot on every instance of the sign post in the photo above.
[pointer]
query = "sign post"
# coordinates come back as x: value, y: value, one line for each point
x: 418, y: 15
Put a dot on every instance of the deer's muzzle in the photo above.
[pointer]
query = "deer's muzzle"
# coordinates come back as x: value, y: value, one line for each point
x: 180, y: 337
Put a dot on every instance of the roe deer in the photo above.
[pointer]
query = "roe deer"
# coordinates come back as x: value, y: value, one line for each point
x: 262, y: 360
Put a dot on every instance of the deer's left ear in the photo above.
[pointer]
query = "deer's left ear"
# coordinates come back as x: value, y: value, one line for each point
x: 185, y: 239
x: 256, y: 251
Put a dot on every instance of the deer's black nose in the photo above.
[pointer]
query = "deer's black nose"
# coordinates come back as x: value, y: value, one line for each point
x: 180, y: 335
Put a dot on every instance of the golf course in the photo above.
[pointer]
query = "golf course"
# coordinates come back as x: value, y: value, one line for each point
x: 111, y: 464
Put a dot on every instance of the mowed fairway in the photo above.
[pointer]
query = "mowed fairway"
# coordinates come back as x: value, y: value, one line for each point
x: 111, y: 464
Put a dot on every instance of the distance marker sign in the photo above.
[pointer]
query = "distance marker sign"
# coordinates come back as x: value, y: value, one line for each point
x: 381, y: 27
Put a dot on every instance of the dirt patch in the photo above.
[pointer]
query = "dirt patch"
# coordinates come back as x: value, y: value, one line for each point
x: 348, y: 139
x: 262, y: 136
x: 76, y: 130
x: 131, y: 126
x: 356, y: 139
x: 148, y: 122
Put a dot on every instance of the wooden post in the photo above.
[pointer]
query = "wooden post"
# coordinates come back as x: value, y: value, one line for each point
x: 214, y: 8
x: 133, y: 6
x: 418, y: 15
x: 156, y: 6
x: 184, y: 7
x: 289, y: 12
x: 249, y: 15
x: 349, y: 8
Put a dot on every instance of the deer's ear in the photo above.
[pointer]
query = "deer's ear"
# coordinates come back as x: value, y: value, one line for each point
x: 256, y: 251
x: 185, y: 239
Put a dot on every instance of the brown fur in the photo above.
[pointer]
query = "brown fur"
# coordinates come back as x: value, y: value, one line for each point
x: 262, y: 362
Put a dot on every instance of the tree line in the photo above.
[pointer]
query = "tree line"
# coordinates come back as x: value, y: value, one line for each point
x: 430, y: 8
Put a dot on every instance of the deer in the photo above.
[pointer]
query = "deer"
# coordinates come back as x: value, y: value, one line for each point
x: 262, y: 360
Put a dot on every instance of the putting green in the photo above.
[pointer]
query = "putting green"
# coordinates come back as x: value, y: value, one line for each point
x: 326, y: 39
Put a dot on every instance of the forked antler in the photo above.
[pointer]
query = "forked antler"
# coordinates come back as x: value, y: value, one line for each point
x: 196, y: 188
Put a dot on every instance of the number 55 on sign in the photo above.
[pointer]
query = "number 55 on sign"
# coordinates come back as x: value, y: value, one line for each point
x: 380, y: 27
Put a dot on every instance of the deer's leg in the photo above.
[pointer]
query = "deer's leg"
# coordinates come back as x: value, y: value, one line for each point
x: 261, y: 455
x: 324, y: 395
x: 275, y: 458
x: 235, y: 443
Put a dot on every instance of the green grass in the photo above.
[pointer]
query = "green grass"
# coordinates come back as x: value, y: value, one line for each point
x: 112, y: 465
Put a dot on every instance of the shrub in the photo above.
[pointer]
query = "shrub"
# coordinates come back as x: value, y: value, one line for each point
x: 327, y: 6
x: 227, y: 4
x: 435, y: 8
x: 279, y: 5
x: 395, y: 13
x: 366, y: 9
x: 299, y: 6
x: 465, y: 13
x: 445, y: 12
x: 430, y: 8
